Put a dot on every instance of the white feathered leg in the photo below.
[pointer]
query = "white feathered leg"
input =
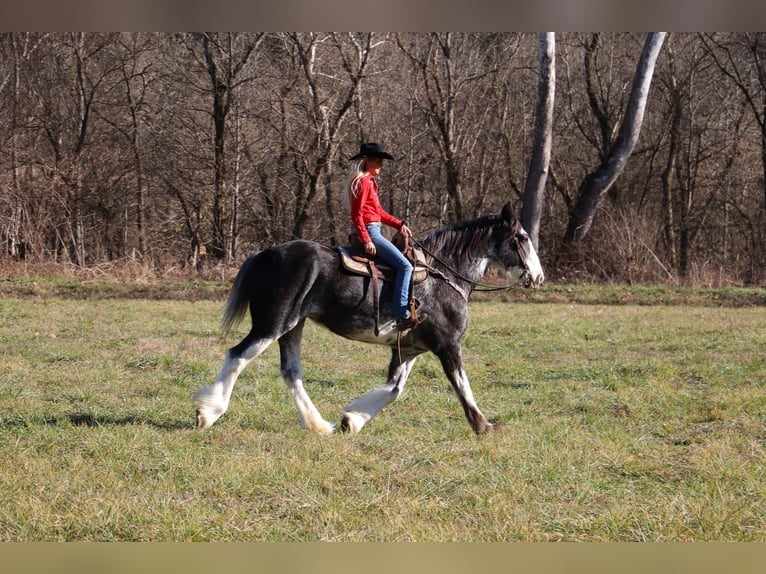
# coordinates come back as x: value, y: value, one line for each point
x: 212, y: 401
x: 359, y: 412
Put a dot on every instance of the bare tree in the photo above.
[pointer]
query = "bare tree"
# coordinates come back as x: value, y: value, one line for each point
x: 19, y: 221
x: 65, y: 93
x: 451, y: 70
x: 597, y: 183
x: 543, y: 138
x: 742, y: 59
x: 137, y: 76
x: 331, y: 91
x: 164, y: 144
x: 224, y: 57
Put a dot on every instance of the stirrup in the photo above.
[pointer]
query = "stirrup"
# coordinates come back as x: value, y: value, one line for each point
x: 408, y: 323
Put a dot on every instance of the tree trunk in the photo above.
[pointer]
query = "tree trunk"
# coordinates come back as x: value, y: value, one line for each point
x: 223, y: 68
x: 597, y: 183
x: 543, y: 139
x: 221, y: 98
x: 235, y: 194
x: 763, y: 151
x: 446, y: 122
x: 141, y: 187
x: 14, y: 230
x: 670, y: 166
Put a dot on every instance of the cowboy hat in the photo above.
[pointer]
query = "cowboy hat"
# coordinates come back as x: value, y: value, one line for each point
x: 371, y: 150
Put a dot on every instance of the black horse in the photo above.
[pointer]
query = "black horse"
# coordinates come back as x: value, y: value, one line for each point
x: 285, y: 284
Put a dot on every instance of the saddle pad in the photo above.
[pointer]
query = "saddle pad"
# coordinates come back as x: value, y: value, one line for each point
x: 358, y: 265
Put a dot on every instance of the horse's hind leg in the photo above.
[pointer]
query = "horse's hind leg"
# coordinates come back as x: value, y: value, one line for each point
x: 213, y: 400
x: 292, y: 373
x: 358, y: 413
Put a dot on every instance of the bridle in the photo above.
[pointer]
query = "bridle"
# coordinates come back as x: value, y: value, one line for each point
x: 515, y: 244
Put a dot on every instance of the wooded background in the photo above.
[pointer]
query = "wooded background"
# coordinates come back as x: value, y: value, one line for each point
x: 197, y: 149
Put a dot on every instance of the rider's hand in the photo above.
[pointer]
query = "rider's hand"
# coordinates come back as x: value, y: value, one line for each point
x: 406, y: 231
x: 369, y: 248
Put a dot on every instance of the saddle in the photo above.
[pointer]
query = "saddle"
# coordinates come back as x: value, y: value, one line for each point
x: 355, y: 260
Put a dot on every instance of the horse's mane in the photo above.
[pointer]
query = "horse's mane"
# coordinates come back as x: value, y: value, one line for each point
x: 460, y: 239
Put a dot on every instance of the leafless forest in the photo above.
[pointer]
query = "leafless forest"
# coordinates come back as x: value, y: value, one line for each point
x: 190, y: 151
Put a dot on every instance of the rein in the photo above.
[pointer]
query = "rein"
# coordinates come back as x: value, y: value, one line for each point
x: 477, y: 284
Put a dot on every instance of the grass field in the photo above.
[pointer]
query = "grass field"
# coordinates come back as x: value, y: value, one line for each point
x: 623, y: 422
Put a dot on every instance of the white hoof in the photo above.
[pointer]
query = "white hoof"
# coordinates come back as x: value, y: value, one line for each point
x: 318, y: 425
x: 209, y: 408
x: 352, y: 422
x: 205, y: 419
x: 324, y: 428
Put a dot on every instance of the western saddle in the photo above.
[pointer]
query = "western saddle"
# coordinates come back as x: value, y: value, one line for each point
x: 354, y: 260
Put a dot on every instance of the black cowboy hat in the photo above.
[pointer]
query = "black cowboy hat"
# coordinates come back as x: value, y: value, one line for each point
x: 371, y: 150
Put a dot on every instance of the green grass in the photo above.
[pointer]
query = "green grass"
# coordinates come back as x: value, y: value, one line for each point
x: 624, y: 422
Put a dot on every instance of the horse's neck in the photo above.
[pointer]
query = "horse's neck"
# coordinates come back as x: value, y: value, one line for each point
x: 474, y: 268
x: 471, y: 267
x: 465, y: 249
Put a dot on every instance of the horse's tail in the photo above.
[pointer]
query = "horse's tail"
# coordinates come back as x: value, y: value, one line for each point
x: 239, y: 299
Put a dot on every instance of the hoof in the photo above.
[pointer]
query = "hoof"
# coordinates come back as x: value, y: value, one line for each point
x: 325, y: 429
x: 206, y: 419
x: 350, y: 422
x: 209, y: 406
x: 201, y: 421
x: 489, y: 428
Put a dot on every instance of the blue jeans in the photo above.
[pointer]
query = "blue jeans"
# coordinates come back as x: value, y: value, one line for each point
x: 388, y: 252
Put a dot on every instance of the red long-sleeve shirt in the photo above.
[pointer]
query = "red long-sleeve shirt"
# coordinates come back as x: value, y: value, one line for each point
x: 366, y: 208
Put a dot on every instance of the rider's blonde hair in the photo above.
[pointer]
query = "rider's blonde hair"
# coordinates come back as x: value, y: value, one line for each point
x: 351, y: 186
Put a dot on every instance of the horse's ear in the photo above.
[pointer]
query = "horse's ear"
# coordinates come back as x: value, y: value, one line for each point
x: 507, y: 214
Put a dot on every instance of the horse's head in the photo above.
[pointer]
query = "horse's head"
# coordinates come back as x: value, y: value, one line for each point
x: 514, y: 251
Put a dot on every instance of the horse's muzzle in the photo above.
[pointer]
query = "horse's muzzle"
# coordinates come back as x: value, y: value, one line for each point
x: 533, y: 282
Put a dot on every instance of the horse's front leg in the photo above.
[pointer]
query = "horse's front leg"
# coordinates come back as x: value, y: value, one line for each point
x: 359, y: 413
x: 452, y: 363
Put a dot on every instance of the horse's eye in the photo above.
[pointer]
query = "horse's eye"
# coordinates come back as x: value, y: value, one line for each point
x: 523, y: 238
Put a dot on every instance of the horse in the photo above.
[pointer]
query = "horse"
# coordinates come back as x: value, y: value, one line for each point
x: 285, y: 284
